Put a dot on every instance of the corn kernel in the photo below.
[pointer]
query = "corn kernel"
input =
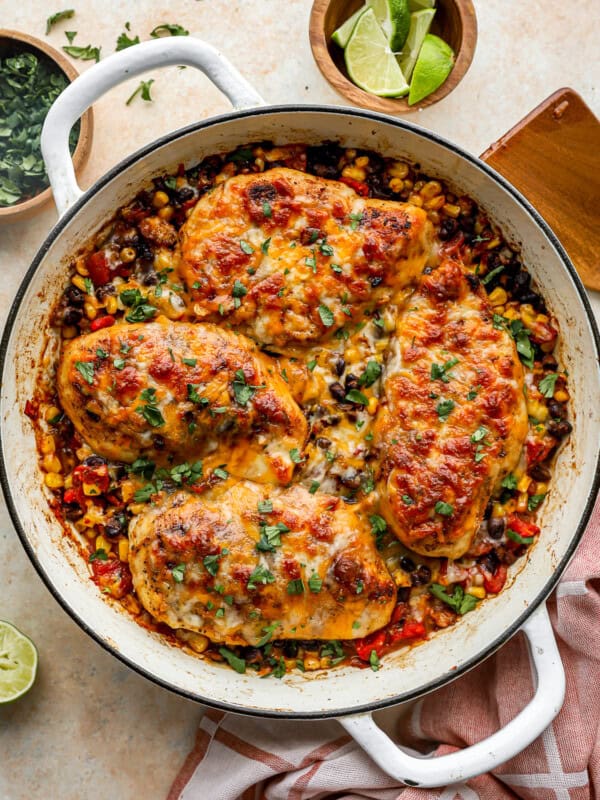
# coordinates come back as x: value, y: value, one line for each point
x: 102, y: 544
x: 123, y: 549
x: 160, y: 199
x: 127, y: 255
x: 541, y: 488
x: 78, y: 281
x: 51, y: 463
x: 523, y: 483
x: 522, y: 502
x: 542, y: 318
x: 91, y: 489
x: 260, y: 163
x: 290, y: 663
x: 311, y: 663
x: 197, y: 642
x: 111, y: 304
x: 434, y: 216
x: 511, y: 313
x: 396, y: 185
x: 132, y: 605
x: 324, y: 662
x: 68, y: 481
x: 561, y: 396
x: 372, y: 405
x: 163, y: 259
x: 354, y: 173
x: 166, y: 213
x: 435, y: 203
x: 351, y: 355
x: 53, y: 480
x: 497, y: 510
x: 408, y: 184
x: 91, y: 311
x: 498, y: 297
x: 450, y: 210
x: 350, y: 154
x: 528, y: 315
x: 477, y: 591
x: 416, y: 200
x: 81, y: 267
x: 69, y: 332
x: 51, y: 413
x: 47, y: 444
x: 431, y: 189
x: 399, y: 169
x: 536, y: 409
x: 127, y: 491
x: 362, y: 161
x: 495, y: 242
x: 137, y: 508
x: 401, y: 578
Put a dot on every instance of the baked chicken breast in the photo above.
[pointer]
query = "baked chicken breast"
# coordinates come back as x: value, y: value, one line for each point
x: 250, y: 562
x: 454, y: 417
x: 171, y: 389
x: 289, y: 258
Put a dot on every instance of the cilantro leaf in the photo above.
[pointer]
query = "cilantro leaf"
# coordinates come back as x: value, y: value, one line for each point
x: 459, y: 601
x: 444, y: 509
x: 326, y: 314
x: 371, y: 374
x: 234, y: 661
x: 168, y: 29
x: 69, y: 13
x: 548, y: 384
x: 144, y: 90
x: 86, y: 369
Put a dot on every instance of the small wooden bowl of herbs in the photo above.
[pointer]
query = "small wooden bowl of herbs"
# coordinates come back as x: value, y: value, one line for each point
x: 32, y: 75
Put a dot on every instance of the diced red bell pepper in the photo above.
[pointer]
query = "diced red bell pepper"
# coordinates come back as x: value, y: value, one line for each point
x: 97, y: 266
x: 374, y: 641
x: 31, y: 410
x: 410, y: 630
x: 399, y: 612
x: 83, y: 474
x: 522, y: 527
x: 493, y: 582
x: 359, y: 187
x: 538, y: 449
x: 102, y: 322
x: 113, y: 576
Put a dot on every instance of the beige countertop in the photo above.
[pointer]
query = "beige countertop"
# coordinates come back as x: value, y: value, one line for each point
x: 90, y: 727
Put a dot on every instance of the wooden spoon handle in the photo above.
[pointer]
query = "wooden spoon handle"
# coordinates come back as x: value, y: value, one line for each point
x: 552, y: 156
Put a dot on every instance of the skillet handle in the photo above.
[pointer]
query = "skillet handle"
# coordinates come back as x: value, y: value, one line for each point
x: 117, y: 68
x: 491, y: 752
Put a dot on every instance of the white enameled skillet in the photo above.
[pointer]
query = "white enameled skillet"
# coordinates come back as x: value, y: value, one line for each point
x: 348, y: 694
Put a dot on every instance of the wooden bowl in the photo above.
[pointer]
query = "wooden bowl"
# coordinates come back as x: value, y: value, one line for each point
x: 454, y: 21
x: 13, y: 42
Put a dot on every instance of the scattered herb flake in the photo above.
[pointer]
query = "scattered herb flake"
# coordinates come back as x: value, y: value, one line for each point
x: 86, y: 368
x: 178, y: 573
x: 235, y: 662
x: 326, y: 315
x: 143, y: 89
x: 548, y: 384
x: 315, y: 583
x: 378, y: 529
x: 459, y: 601
x: 168, y: 29
x: 295, y: 587
x: 68, y: 13
x: 444, y: 509
x: 87, y: 53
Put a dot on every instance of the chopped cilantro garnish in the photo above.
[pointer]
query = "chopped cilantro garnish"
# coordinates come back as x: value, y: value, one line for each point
x: 260, y: 574
x: 98, y: 555
x: 510, y: 482
x: 378, y: 529
x: 295, y: 456
x: 221, y: 473
x: 314, y: 487
x: 265, y: 506
x: 371, y: 374
x: 326, y: 314
x: 516, y: 537
x: 295, y: 587
x: 86, y: 368
x: 444, y: 509
x: 178, y: 573
x: 246, y: 248
x: 534, y: 501
x: 443, y: 408
x: 548, y: 384
x: 315, y: 583
x: 355, y: 396
x: 235, y: 662
x: 442, y: 371
x: 374, y: 660
x: 459, y: 601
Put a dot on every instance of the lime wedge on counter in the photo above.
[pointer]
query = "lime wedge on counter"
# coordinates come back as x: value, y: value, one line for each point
x: 417, y: 5
x: 420, y: 22
x: 394, y: 18
x: 342, y: 35
x: 369, y: 60
x: 434, y: 64
x: 18, y: 663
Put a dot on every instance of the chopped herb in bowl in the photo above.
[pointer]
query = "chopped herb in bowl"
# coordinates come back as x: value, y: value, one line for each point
x: 29, y: 83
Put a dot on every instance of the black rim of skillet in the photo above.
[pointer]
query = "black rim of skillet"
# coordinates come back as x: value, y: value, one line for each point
x: 492, y: 646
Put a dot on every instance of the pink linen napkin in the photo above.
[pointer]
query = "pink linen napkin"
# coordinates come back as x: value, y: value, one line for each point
x: 241, y: 758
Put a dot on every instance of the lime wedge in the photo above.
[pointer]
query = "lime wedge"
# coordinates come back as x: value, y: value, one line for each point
x: 342, y: 35
x: 18, y: 663
x: 394, y: 18
x: 420, y: 22
x: 417, y: 5
x: 434, y: 64
x: 370, y: 62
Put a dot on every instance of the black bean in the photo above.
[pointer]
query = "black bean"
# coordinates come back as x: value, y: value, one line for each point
x: 105, y: 291
x: 290, y: 648
x: 521, y: 282
x: 540, y: 472
x: 337, y: 391
x: 72, y: 316
x: 512, y: 267
x: 549, y: 362
x: 530, y: 297
x: 115, y: 525
x: 75, y: 296
x: 144, y: 252
x: 150, y: 278
x: 351, y: 382
x: 323, y: 443
x: 184, y: 194
x: 448, y: 228
x: 350, y: 478
x: 421, y: 575
x: 490, y: 561
x: 403, y: 594
x: 375, y: 280
x: 496, y: 526
x: 559, y: 429
x: 340, y: 366
x: 158, y: 441
x: 407, y: 564
x: 94, y: 461
x: 473, y: 280
x: 323, y: 159
x: 557, y: 410
x: 488, y: 510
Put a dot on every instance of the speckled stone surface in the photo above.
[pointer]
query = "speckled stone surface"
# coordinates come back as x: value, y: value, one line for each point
x: 90, y: 727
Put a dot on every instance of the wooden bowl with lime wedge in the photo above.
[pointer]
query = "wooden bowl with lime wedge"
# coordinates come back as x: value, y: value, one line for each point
x: 454, y: 22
